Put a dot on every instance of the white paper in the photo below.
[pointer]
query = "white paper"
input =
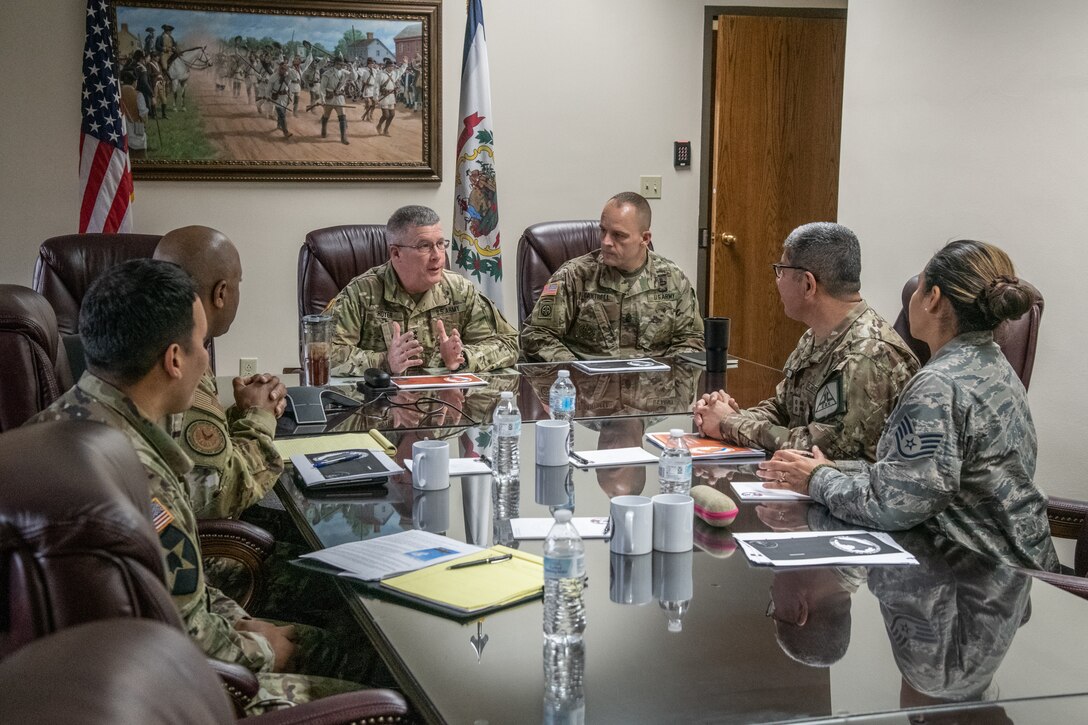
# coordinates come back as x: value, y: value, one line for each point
x: 613, y: 457
x: 375, y: 559
x: 629, y: 365
x: 756, y: 554
x: 461, y: 466
x: 588, y: 528
x: 756, y: 491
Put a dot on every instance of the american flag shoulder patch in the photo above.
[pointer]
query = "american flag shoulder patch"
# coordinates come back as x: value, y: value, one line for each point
x: 160, y: 515
x: 550, y: 289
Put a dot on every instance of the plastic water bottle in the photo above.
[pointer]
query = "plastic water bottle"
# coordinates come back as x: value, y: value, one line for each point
x: 506, y: 422
x: 564, y: 578
x: 674, y: 467
x: 561, y: 400
x: 564, y: 676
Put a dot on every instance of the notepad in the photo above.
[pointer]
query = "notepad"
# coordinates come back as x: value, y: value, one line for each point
x: 853, y: 547
x: 595, y: 527
x: 708, y: 448
x: 612, y: 457
x: 475, y: 589
x: 461, y: 466
x: 424, y: 382
x: 631, y: 365
x: 374, y: 440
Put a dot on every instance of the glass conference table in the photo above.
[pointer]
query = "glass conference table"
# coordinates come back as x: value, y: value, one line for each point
x: 704, y: 636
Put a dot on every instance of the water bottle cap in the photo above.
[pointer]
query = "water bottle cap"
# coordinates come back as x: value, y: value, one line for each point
x: 677, y: 433
x: 562, y: 515
x: 564, y: 373
x: 506, y: 395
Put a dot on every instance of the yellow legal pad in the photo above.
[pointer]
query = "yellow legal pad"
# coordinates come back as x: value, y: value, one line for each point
x: 475, y: 588
x: 339, y: 442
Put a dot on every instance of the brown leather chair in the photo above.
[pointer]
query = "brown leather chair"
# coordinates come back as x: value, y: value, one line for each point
x: 1069, y: 520
x: 67, y: 265
x: 77, y: 545
x: 33, y: 366
x: 543, y: 248
x: 332, y: 257
x: 1017, y: 338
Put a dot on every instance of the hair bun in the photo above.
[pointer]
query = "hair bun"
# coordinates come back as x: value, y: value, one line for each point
x: 1006, y: 298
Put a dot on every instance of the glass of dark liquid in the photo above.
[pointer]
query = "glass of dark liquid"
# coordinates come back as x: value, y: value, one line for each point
x: 316, y: 333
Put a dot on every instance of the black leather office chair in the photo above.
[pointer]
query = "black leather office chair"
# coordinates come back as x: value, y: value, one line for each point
x: 1017, y: 338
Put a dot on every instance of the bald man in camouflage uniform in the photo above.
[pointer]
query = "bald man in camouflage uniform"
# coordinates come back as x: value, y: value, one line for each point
x: 235, y: 461
x: 411, y: 313
x: 148, y: 299
x: 620, y: 301
x: 845, y: 374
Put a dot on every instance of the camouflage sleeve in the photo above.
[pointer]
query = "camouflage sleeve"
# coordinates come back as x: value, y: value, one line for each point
x: 345, y: 355
x: 868, y: 388
x: 688, y: 329
x: 210, y: 623
x: 761, y: 426
x: 543, y: 333
x: 490, y: 342
x: 918, y: 473
x: 253, y: 467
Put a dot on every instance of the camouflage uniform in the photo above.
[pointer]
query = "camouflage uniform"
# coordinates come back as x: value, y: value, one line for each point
x: 836, y: 395
x: 590, y: 310
x: 208, y: 615
x: 364, y: 313
x: 958, y: 456
x: 951, y: 619
x: 234, y: 460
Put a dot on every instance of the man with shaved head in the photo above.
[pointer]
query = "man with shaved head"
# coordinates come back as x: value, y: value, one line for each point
x: 620, y: 301
x: 235, y: 462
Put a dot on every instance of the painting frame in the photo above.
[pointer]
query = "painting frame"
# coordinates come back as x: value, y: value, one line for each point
x: 234, y: 144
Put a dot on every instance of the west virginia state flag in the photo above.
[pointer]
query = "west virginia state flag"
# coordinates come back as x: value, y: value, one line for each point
x: 477, y: 254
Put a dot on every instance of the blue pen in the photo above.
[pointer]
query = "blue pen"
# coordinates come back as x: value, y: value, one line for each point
x: 338, y: 458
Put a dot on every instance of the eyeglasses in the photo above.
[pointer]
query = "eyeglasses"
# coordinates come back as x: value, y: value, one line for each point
x: 779, y: 267
x: 440, y: 246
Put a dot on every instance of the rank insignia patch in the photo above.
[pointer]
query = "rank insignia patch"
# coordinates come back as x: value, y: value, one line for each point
x: 913, y: 445
x: 204, y: 437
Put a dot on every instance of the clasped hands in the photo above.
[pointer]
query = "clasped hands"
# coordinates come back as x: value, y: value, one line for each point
x: 710, y: 409
x: 405, y: 351
x: 262, y: 391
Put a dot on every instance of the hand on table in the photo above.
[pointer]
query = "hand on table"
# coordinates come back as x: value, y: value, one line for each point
x: 709, y: 411
x: 791, y: 469
x: 260, y: 391
x: 449, y: 346
x: 404, y: 351
x: 282, y: 640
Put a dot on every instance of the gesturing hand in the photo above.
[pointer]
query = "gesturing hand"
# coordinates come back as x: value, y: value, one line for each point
x: 404, y: 351
x: 449, y: 346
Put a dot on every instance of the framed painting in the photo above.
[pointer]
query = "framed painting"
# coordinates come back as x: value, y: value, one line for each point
x: 322, y: 90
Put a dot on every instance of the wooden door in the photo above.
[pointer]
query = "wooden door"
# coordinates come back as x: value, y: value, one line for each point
x: 777, y: 117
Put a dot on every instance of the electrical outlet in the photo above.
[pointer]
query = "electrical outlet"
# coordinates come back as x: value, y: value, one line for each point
x: 650, y: 186
x: 247, y: 366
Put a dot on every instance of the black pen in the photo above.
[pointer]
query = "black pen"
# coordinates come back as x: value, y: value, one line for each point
x: 478, y: 562
x: 579, y: 459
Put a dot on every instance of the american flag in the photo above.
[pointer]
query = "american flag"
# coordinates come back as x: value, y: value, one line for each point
x: 105, y: 175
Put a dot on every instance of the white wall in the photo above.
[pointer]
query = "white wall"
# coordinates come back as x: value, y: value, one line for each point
x: 959, y: 119
x: 967, y: 119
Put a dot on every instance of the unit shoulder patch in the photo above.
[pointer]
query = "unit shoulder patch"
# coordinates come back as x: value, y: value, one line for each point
x: 829, y: 399
x: 205, y: 437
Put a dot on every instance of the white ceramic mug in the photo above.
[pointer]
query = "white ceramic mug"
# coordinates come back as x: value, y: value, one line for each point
x: 431, y: 510
x: 431, y: 465
x: 630, y: 578
x: 632, y: 522
x: 674, y: 522
x: 552, y: 443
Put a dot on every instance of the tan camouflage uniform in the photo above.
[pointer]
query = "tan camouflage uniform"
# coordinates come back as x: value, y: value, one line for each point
x: 208, y: 615
x: 590, y: 310
x: 836, y: 395
x: 364, y: 313
x: 234, y: 460
x: 957, y: 455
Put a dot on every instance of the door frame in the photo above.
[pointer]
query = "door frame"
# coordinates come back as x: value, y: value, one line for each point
x: 706, y: 130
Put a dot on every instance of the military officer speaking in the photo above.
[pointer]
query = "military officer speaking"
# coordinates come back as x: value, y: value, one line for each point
x: 620, y: 301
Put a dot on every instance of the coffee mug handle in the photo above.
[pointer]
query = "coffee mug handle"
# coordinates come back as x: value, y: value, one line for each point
x: 418, y: 463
